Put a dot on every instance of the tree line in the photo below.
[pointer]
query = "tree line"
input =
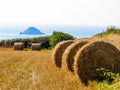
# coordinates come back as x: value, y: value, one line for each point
x: 47, y: 41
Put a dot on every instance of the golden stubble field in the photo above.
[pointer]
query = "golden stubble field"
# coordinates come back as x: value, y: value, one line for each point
x: 35, y: 70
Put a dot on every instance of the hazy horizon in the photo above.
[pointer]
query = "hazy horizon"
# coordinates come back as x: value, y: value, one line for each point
x: 76, y: 31
x: 49, y: 28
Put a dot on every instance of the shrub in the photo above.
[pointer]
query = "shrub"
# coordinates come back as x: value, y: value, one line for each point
x: 57, y: 37
x: 112, y: 29
x: 109, y: 30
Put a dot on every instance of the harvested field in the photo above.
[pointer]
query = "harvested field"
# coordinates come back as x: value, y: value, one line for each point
x: 35, y: 70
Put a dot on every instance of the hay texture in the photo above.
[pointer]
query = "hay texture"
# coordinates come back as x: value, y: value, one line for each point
x: 70, y: 52
x: 18, y: 46
x: 36, y: 46
x: 94, y: 56
x: 58, y: 52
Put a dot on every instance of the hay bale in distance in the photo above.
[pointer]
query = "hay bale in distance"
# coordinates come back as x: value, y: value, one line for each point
x: 18, y: 46
x: 94, y: 56
x: 70, y: 52
x: 36, y: 46
x: 58, y: 52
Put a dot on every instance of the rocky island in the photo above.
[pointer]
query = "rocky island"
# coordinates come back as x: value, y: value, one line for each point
x: 32, y: 31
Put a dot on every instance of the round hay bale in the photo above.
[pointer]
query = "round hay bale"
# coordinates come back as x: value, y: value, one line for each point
x: 70, y: 52
x: 95, y: 56
x: 36, y: 46
x: 18, y: 46
x: 58, y: 52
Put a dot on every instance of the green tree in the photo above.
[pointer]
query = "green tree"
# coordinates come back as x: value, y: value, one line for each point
x: 57, y: 37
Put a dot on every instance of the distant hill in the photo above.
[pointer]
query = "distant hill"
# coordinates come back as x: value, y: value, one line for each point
x: 32, y: 31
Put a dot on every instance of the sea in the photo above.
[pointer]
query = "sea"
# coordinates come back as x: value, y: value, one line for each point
x: 76, y: 31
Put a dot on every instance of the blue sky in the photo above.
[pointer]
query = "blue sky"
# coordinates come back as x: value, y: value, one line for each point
x: 17, y: 15
x: 59, y: 12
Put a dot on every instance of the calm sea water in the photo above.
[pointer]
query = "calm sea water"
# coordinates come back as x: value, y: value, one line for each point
x: 76, y: 31
x: 16, y: 36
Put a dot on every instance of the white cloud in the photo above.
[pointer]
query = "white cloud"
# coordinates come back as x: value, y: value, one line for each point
x: 64, y: 12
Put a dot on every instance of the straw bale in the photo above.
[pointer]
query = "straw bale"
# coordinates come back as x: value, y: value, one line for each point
x: 58, y: 52
x: 96, y: 55
x: 18, y: 46
x: 70, y: 52
x: 36, y: 46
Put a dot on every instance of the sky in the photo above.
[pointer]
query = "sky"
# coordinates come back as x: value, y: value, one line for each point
x: 59, y: 12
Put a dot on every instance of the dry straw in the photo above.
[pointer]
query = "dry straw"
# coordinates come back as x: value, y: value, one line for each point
x: 36, y: 46
x: 58, y: 52
x: 94, y: 56
x: 70, y: 52
x: 18, y: 46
